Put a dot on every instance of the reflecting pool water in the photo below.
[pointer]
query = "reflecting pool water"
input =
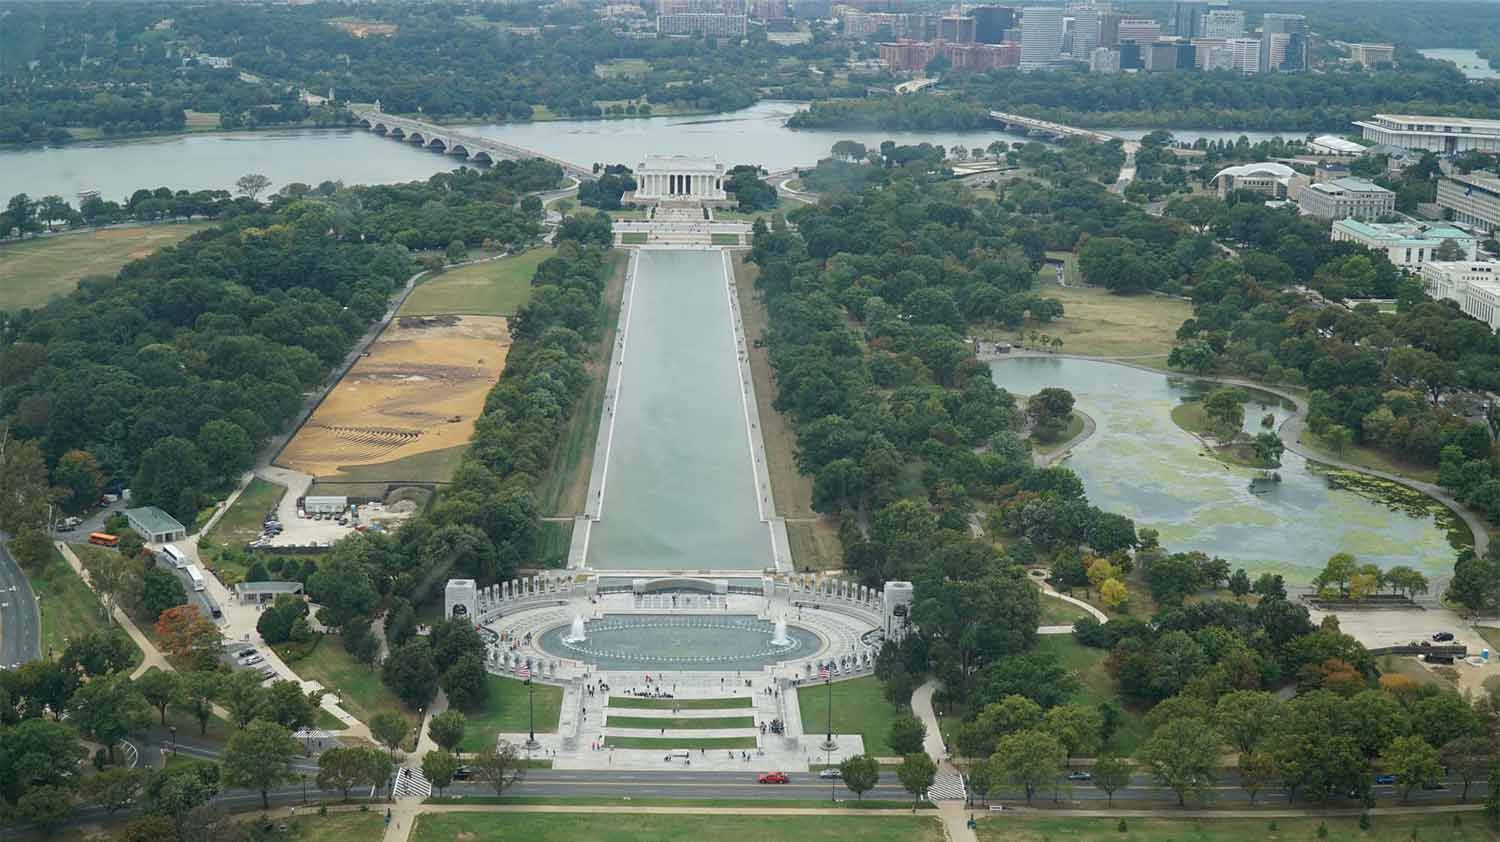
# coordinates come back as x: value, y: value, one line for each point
x: 1140, y: 464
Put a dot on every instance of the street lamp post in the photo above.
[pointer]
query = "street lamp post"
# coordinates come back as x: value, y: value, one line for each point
x: 174, y: 738
x: 531, y: 743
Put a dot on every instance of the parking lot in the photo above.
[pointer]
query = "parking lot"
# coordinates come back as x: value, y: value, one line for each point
x: 1394, y: 627
x: 310, y: 530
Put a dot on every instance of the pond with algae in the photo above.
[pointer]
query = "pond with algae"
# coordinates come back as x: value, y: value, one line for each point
x: 1140, y: 464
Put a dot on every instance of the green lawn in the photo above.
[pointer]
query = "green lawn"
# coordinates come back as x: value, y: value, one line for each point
x: 1096, y: 684
x: 506, y: 712
x: 681, y: 704
x: 242, y: 523
x: 667, y: 743
x: 622, y: 67
x: 67, y: 607
x: 357, y: 686
x: 687, y: 723
x: 633, y: 238
x: 553, y: 543
x: 1072, y: 431
x: 335, y: 827
x: 635, y: 827
x: 34, y: 272
x: 493, y: 288
x: 1055, y: 612
x: 1340, y: 829
x: 859, y: 707
x: 724, y: 239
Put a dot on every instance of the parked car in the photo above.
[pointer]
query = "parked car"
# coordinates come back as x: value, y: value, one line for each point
x: 773, y: 778
x: 831, y: 773
x: 1080, y: 775
x: 1385, y: 780
x: 245, y: 653
x: 251, y: 661
x: 462, y: 773
x: 1443, y: 637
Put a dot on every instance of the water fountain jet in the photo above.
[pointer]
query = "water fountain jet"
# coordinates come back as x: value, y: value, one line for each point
x: 780, y: 638
x: 575, y: 632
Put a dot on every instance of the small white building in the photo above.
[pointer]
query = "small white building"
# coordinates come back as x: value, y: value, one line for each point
x: 315, y: 505
x: 1408, y: 245
x: 1475, y: 285
x: 1345, y: 198
x: 687, y: 177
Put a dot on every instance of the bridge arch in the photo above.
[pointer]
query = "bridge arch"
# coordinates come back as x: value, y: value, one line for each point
x: 397, y: 132
x: 417, y: 137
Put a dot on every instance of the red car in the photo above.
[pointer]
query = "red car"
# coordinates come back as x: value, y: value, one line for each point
x: 774, y: 778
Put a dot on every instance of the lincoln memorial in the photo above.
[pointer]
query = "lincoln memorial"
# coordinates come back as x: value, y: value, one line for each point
x: 679, y: 177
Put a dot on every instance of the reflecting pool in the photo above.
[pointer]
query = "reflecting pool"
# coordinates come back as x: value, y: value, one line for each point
x: 680, y: 642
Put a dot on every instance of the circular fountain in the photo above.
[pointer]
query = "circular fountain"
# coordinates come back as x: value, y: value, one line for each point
x: 576, y: 632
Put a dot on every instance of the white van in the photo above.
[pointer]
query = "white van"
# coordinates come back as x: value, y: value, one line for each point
x: 196, y: 575
x: 174, y: 557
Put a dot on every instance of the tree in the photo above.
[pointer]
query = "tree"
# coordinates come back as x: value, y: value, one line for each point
x: 1338, y: 438
x: 1243, y: 717
x: 1257, y: 771
x: 1492, y: 796
x: 1111, y: 774
x: 916, y: 773
x: 177, y: 791
x: 100, y: 652
x: 242, y: 696
x: 466, y: 683
x: 186, y: 634
x: 1027, y: 759
x: 447, y: 729
x: 1076, y: 727
x: 1113, y: 594
x: 1469, y: 758
x: 1239, y: 583
x: 259, y: 757
x: 1183, y: 755
x: 251, y: 185
x: 108, y: 708
x: 1413, y: 762
x: 500, y: 767
x: 45, y: 807
x: 114, y: 789
x: 196, y: 693
x: 77, y: 474
x: 275, y: 623
x: 342, y: 768
x: 860, y: 773
x: 390, y: 729
x: 119, y: 581
x: 1341, y: 567
x: 906, y: 735
x: 160, y: 688
x: 161, y: 591
x: 411, y: 673
x: 285, y: 704
x: 1048, y: 410
x: 1225, y: 409
x: 438, y: 767
x: 1268, y: 450
x: 25, y: 492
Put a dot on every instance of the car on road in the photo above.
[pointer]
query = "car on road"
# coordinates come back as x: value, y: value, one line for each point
x: 1080, y: 775
x: 251, y: 660
x: 1385, y: 780
x: 831, y: 773
x: 245, y: 653
x: 1443, y: 637
x: 462, y: 773
x: 773, y: 778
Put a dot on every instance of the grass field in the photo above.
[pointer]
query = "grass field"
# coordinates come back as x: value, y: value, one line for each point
x: 622, y: 67
x: 357, y: 686
x: 815, y: 543
x: 1096, y: 685
x: 34, y: 272
x: 565, y: 486
x: 683, y: 723
x: 859, y: 707
x: 506, y: 712
x: 681, y: 704
x: 552, y: 546
x: 1368, y: 457
x: 720, y: 239
x: 668, y: 743
x: 1340, y: 829
x: 242, y: 523
x: 1072, y: 431
x: 67, y: 607
x: 493, y: 288
x: 334, y: 827
x: 1055, y: 612
x: 633, y: 238
x: 634, y: 827
x: 1097, y: 322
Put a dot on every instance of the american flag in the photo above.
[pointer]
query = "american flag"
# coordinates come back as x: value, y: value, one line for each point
x: 524, y: 671
x: 823, y: 672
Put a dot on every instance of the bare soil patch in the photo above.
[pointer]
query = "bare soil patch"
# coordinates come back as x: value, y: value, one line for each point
x: 420, y: 389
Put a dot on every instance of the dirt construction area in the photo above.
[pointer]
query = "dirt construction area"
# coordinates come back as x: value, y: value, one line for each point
x: 408, y: 407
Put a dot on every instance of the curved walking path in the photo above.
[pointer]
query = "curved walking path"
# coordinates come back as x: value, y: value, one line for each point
x: 1291, y: 433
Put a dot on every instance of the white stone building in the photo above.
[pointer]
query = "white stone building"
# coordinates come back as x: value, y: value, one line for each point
x: 1408, y: 245
x: 684, y: 177
x: 1475, y: 285
x: 1437, y: 134
x: 1344, y: 198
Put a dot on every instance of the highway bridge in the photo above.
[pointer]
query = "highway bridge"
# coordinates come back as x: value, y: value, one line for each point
x: 481, y: 150
x: 915, y: 85
x: 1047, y: 127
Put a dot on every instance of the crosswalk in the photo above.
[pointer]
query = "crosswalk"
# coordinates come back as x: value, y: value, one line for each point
x: 410, y: 783
x: 947, y: 787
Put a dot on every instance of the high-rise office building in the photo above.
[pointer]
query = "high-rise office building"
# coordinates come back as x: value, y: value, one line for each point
x: 1139, y: 30
x: 990, y: 23
x: 1244, y: 54
x: 1224, y: 23
x: 1041, y: 36
x: 1283, y: 42
x: 956, y: 29
x: 1109, y: 29
x: 1187, y: 18
x: 1104, y: 60
x: 1085, y: 33
x: 1372, y: 55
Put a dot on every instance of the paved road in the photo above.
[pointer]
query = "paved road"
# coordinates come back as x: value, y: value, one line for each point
x: 20, y: 624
